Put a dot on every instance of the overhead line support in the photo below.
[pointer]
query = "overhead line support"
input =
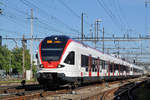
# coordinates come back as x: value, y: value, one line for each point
x: 82, y: 33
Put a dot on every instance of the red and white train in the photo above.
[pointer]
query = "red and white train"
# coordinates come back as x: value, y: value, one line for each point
x: 63, y: 60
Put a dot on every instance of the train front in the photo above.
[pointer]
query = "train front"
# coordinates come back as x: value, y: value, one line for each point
x: 51, y: 51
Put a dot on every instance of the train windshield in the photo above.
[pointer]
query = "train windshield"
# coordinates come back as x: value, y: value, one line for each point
x: 52, y: 48
x: 51, y: 54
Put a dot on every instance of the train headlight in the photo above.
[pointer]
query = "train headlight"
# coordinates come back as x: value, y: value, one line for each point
x: 41, y: 66
x: 60, y: 66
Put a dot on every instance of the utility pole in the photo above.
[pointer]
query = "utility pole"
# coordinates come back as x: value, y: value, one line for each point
x: 23, y: 56
x: 103, y: 42
x: 31, y: 43
x: 96, y: 30
x: 146, y: 4
x: 91, y: 33
x: 95, y: 34
x: 82, y: 33
x: 97, y: 26
x: 118, y: 49
x: 90, y: 30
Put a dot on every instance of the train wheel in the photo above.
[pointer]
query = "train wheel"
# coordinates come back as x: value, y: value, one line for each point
x: 71, y: 86
x: 76, y: 84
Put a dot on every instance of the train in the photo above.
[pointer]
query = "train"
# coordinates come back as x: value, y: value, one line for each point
x: 62, y: 60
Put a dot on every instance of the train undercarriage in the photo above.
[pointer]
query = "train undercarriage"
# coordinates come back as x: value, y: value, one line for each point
x: 55, y: 80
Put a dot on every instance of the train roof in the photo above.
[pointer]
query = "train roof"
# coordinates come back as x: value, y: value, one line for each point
x: 62, y: 37
x: 111, y: 58
x: 104, y: 56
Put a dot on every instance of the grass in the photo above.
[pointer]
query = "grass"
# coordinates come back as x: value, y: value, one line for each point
x: 16, y: 81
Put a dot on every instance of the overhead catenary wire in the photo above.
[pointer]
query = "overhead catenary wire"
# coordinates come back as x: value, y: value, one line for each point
x: 11, y: 32
x: 14, y: 16
x: 109, y: 13
x: 72, y: 11
x: 122, y: 14
x: 50, y: 28
x: 16, y: 9
x: 22, y: 20
x: 68, y: 8
x: 146, y: 18
x: 119, y: 16
x: 15, y: 21
x: 30, y: 4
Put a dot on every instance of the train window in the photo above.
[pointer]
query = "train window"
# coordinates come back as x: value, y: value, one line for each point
x: 86, y: 69
x: 116, y: 67
x: 121, y: 68
x: 93, y: 62
x: 84, y: 61
x: 111, y: 67
x: 93, y: 70
x: 102, y: 62
x: 127, y: 69
x: 36, y: 56
x: 98, y: 65
x: 70, y: 58
x: 106, y: 65
x: 51, y: 54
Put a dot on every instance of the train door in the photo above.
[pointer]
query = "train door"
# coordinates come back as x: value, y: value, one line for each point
x: 98, y: 66
x: 119, y: 69
x: 90, y: 65
x: 102, y: 67
x: 113, y: 70
x: 108, y: 68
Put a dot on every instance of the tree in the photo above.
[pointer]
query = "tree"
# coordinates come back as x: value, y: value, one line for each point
x: 27, y: 59
x: 12, y: 59
x: 17, y: 60
x: 5, y: 58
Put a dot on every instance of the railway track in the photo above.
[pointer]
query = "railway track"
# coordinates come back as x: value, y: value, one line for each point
x: 124, y: 92
x: 102, y: 92
x: 6, y: 84
x: 18, y: 90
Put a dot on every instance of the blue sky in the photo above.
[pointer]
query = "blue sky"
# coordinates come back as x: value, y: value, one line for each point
x: 63, y: 17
